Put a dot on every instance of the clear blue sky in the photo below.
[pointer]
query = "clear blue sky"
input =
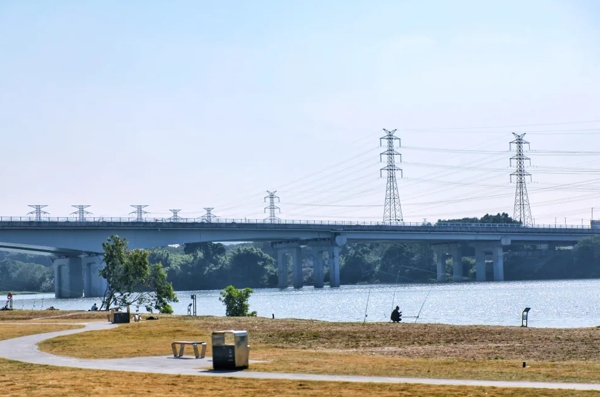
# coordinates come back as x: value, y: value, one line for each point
x: 192, y: 104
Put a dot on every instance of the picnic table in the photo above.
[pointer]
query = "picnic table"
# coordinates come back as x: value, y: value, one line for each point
x: 182, y: 345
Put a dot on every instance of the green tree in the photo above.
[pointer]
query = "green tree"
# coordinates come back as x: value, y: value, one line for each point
x: 236, y: 301
x: 487, y: 218
x: 131, y: 280
x: 249, y: 267
x: 356, y: 264
x: 586, y: 258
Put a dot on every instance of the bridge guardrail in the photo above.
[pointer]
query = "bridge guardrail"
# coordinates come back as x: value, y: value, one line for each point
x: 31, y: 221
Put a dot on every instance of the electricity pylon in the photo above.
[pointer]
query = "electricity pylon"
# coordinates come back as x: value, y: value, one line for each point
x: 81, y: 212
x: 392, y: 210
x: 139, y: 212
x: 175, y: 217
x: 272, y: 207
x: 209, y: 216
x: 522, y: 211
x: 37, y: 211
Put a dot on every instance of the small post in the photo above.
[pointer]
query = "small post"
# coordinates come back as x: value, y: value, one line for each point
x: 525, y: 317
x: 193, y: 305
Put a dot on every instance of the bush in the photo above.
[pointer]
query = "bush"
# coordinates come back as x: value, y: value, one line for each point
x: 236, y: 301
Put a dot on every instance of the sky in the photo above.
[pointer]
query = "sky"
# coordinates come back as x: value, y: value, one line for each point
x: 193, y: 104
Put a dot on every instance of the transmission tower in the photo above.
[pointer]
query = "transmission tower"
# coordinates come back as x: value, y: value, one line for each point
x: 209, y: 216
x: 272, y: 207
x: 175, y: 217
x: 522, y: 211
x: 392, y: 211
x: 139, y: 212
x: 81, y: 212
x: 37, y: 211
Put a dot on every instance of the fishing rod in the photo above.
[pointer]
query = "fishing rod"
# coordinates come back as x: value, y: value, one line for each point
x: 367, y: 306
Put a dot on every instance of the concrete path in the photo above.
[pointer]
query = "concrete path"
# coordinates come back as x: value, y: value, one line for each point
x: 25, y: 349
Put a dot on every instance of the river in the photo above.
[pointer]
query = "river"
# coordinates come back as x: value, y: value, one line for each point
x: 560, y: 304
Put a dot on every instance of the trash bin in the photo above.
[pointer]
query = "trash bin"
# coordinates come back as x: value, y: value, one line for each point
x: 230, y: 355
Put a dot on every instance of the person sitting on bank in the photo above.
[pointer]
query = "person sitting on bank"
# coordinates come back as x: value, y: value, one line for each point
x: 94, y: 307
x: 396, y: 315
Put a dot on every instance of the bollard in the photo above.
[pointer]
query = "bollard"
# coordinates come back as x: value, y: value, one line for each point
x: 273, y: 316
x: 524, y: 364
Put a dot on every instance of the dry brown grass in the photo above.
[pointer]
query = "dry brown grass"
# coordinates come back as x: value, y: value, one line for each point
x: 10, y: 331
x: 50, y: 315
x: 20, y: 379
x: 440, y: 351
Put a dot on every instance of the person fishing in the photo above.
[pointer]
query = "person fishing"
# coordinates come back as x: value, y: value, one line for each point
x: 396, y: 315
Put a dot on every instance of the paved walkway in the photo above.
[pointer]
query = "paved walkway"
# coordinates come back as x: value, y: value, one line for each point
x: 25, y: 349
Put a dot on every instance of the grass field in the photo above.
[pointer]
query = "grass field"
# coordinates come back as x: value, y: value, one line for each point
x: 406, y: 350
x: 270, y: 338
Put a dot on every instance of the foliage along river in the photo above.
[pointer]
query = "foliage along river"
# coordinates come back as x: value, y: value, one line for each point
x: 561, y: 304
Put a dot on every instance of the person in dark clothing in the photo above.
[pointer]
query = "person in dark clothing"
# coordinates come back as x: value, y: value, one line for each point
x: 396, y: 315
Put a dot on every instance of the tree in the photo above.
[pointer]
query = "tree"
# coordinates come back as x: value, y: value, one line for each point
x: 131, y: 280
x: 236, y: 302
x: 356, y: 264
x: 586, y: 256
x: 503, y: 218
x: 249, y: 267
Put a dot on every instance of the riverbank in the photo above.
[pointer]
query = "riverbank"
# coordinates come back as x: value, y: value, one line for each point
x: 314, y: 347
x: 372, y: 349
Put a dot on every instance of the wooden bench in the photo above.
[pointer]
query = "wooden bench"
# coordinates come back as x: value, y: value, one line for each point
x: 182, y: 345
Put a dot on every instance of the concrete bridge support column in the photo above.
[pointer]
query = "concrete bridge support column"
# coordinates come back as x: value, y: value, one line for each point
x: 282, y: 268
x: 68, y: 277
x: 334, y: 266
x: 318, y: 275
x: 480, y: 263
x: 298, y: 280
x: 440, y: 259
x: 457, y: 264
x: 93, y: 284
x: 334, y: 260
x: 498, y: 255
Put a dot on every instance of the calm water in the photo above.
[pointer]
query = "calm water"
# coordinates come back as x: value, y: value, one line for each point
x: 561, y: 304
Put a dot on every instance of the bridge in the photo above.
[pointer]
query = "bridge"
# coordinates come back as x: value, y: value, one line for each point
x: 76, y: 244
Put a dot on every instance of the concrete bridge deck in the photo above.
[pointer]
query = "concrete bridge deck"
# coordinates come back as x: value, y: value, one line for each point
x: 78, y: 244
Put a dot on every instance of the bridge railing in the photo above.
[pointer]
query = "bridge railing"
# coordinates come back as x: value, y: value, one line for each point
x: 148, y: 220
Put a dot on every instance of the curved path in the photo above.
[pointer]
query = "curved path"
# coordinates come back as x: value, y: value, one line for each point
x: 25, y: 349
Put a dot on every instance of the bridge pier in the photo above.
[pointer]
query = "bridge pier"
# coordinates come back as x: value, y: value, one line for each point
x: 318, y: 274
x: 283, y: 250
x: 68, y: 277
x: 480, y: 263
x: 440, y: 256
x: 457, y: 267
x: 498, y: 255
x: 297, y: 279
x: 334, y: 266
x: 93, y: 284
